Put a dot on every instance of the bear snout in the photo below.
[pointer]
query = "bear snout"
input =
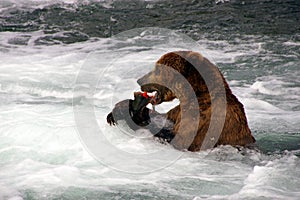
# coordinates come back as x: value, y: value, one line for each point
x: 144, y: 80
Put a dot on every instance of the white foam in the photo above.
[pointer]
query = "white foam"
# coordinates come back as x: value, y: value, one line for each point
x: 41, y: 153
x: 260, y: 105
x: 40, y: 4
x: 272, y: 179
x: 227, y: 52
x: 272, y: 87
x: 290, y: 43
x: 7, y: 192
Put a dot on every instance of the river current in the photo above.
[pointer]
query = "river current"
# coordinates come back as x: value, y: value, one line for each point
x: 45, y: 47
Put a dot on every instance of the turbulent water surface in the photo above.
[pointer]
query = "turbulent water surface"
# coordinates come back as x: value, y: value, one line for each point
x: 44, y: 45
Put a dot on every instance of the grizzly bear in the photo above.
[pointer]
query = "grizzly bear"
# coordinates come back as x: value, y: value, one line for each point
x: 208, y: 115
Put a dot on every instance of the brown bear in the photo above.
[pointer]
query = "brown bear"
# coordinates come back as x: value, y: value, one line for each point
x: 215, y: 103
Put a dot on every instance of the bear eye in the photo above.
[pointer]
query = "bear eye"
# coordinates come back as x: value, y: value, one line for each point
x: 157, y: 71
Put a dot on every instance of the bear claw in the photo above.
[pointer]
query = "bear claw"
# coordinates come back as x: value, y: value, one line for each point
x: 110, y: 119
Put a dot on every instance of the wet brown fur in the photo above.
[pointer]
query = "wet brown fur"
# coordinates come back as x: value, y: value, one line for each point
x: 235, y: 130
